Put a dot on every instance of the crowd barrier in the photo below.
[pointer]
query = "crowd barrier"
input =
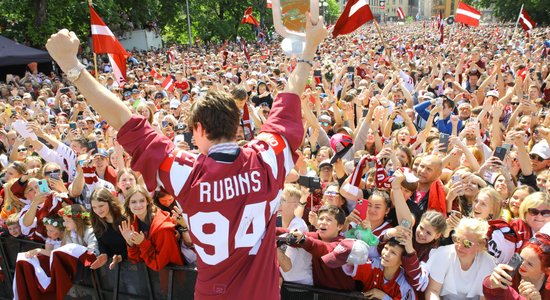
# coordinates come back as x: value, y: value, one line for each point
x: 136, y: 281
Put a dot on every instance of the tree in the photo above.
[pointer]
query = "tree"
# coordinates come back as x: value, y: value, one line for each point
x: 507, y: 10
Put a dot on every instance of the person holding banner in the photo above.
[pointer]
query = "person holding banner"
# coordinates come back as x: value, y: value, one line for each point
x: 218, y: 210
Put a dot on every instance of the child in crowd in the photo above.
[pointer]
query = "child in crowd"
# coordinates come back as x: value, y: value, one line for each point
x: 13, y: 225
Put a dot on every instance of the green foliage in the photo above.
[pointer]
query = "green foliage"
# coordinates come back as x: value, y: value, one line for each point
x: 507, y: 10
x: 33, y: 21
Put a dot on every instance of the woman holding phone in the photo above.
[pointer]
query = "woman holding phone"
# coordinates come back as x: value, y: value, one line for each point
x: 526, y: 277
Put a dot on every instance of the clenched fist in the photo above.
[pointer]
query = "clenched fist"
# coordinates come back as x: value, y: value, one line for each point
x: 63, y: 47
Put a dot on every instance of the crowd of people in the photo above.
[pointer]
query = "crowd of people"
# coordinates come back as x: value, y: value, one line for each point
x: 440, y: 151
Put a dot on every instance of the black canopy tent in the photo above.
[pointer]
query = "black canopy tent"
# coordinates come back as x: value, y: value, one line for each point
x: 14, y: 58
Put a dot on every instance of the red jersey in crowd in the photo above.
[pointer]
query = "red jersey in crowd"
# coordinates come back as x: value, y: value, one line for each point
x: 229, y: 197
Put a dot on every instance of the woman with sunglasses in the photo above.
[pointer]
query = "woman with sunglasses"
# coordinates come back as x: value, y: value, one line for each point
x: 456, y: 271
x: 531, y: 279
x: 534, y: 212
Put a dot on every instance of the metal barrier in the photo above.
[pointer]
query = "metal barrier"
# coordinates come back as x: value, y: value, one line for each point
x: 136, y: 281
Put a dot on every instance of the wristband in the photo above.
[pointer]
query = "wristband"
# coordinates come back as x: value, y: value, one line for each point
x: 184, y: 229
x: 303, y: 204
x: 306, y: 61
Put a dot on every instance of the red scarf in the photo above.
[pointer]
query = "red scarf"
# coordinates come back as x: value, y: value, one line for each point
x: 382, y: 180
x: 437, y: 199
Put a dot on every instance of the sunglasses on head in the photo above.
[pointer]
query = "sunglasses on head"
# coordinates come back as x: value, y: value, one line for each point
x: 534, y: 212
x: 536, y: 157
x: 544, y: 247
x: 466, y: 243
x: 331, y: 193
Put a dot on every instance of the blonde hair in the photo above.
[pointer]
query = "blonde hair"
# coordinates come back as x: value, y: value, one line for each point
x: 292, y: 190
x: 13, y: 219
x: 533, y: 200
x: 496, y: 201
x: 10, y: 200
x: 477, y: 227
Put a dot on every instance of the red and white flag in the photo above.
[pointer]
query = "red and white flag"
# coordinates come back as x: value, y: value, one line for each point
x: 104, y: 41
x: 246, y: 55
x: 400, y: 13
x: 525, y: 20
x: 249, y: 18
x: 356, y: 13
x: 467, y: 15
x: 269, y: 4
x: 168, y: 83
x: 155, y: 74
x: 440, y: 27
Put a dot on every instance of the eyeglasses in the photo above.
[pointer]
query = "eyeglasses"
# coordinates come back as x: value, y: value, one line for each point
x: 52, y: 172
x: 22, y: 149
x: 466, y: 243
x: 330, y: 193
x: 534, y: 212
x: 536, y: 157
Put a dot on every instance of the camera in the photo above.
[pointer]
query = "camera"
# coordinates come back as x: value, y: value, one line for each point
x: 286, y: 239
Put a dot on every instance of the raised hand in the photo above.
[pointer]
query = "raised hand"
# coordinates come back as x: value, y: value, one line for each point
x: 126, y: 230
x: 99, y: 262
x: 63, y: 48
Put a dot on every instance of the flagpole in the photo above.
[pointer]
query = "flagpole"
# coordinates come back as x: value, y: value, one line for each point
x: 382, y: 38
x: 517, y: 22
x: 95, y: 55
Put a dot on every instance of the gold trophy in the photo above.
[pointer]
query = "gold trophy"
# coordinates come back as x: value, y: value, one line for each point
x: 289, y: 19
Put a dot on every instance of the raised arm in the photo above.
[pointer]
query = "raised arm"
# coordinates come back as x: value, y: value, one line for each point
x: 63, y: 47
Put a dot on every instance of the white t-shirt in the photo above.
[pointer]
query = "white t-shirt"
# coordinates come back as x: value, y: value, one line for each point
x: 444, y: 268
x: 301, y: 259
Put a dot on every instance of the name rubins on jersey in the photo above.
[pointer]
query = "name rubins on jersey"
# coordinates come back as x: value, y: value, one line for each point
x: 230, y: 187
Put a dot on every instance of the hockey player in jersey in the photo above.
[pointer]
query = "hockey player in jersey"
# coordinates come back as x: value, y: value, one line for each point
x: 229, y: 194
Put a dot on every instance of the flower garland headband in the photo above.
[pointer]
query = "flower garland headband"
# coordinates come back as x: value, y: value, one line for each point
x: 53, y: 222
x: 67, y: 212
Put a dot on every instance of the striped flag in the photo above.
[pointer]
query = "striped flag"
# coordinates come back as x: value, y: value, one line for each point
x: 525, y: 20
x: 440, y: 27
x: 104, y: 41
x: 269, y: 4
x: 467, y: 15
x: 168, y: 83
x: 155, y: 74
x: 400, y: 13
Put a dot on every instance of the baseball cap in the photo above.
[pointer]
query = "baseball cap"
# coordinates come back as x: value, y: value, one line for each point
x: 135, y: 91
x: 27, y: 95
x: 101, y: 152
x: 174, y: 103
x: 340, y: 143
x: 351, y: 251
x: 541, y: 149
x: 493, y: 93
x: 325, y: 163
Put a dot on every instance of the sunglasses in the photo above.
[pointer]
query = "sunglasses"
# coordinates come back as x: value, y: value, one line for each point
x: 47, y: 173
x: 265, y: 111
x: 324, y: 124
x: 536, y: 157
x: 329, y: 193
x: 514, y: 103
x: 544, y: 247
x: 533, y: 212
x: 22, y: 149
x: 466, y: 243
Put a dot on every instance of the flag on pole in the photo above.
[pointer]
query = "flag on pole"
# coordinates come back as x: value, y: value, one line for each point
x: 249, y: 18
x: 168, y: 83
x: 467, y: 15
x: 355, y: 14
x: 400, y: 13
x: 269, y: 4
x: 104, y: 41
x: 440, y: 27
x: 525, y: 20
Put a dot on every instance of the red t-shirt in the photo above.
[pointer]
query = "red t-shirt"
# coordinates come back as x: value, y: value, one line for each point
x: 184, y: 86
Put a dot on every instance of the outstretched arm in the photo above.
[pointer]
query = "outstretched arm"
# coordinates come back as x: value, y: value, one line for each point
x: 63, y: 47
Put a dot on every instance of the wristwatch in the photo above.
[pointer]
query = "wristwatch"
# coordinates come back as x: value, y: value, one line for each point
x: 74, y: 73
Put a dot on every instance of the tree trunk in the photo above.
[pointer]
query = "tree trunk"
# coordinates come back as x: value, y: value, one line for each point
x: 40, y: 8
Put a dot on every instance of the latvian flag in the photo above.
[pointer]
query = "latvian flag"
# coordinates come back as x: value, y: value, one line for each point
x: 104, y: 41
x: 525, y: 20
x: 155, y: 74
x: 269, y: 5
x: 400, y: 13
x: 467, y: 15
x: 168, y: 83
x: 43, y: 277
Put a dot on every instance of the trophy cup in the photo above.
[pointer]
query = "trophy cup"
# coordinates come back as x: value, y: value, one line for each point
x: 289, y: 19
